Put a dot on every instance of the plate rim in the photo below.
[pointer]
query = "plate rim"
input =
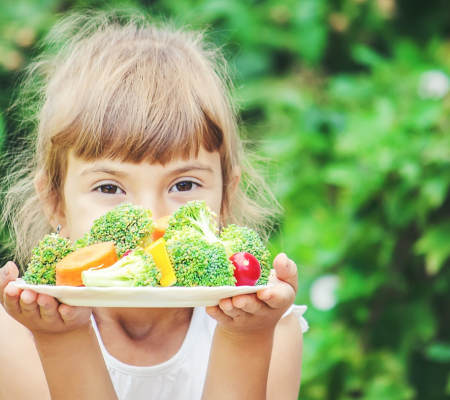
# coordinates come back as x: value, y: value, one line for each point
x: 142, y: 296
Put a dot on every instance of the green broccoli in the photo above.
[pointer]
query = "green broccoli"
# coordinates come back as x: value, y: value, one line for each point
x: 237, y: 239
x: 41, y: 269
x: 192, y: 242
x: 83, y: 241
x: 135, y: 269
x: 198, y: 256
x: 197, y: 215
x: 128, y: 226
x: 198, y: 261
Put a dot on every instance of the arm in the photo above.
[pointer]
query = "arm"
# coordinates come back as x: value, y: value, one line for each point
x: 19, y: 360
x: 238, y: 366
x: 244, y: 338
x: 285, y: 365
x: 67, y: 345
x: 74, y: 366
x: 18, y: 355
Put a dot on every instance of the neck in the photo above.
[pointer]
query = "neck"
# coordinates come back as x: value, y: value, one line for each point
x: 143, y: 336
x: 139, y: 323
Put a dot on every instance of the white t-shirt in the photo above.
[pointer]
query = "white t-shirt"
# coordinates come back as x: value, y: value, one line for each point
x: 180, y: 378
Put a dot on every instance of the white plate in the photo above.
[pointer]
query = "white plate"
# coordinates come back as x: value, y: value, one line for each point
x: 140, y: 296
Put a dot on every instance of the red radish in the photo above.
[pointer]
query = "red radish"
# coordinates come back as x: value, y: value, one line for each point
x: 247, y: 269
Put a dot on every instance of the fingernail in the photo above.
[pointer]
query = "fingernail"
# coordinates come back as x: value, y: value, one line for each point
x: 5, y: 270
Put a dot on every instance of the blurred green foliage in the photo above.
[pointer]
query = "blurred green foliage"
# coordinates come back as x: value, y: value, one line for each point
x: 350, y: 100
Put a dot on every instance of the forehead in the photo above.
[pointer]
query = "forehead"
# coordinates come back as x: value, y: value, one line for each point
x: 205, y: 162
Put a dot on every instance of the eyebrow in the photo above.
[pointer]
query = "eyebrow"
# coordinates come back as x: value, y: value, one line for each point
x: 119, y: 174
x: 100, y: 170
x: 192, y: 167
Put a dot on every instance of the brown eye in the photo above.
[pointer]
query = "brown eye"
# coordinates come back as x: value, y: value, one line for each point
x: 110, y: 189
x: 184, y: 186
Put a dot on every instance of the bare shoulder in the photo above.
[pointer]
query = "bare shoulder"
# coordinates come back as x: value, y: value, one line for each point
x: 285, y: 364
x: 19, y: 355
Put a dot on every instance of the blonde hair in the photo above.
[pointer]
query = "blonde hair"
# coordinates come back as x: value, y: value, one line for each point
x: 120, y: 87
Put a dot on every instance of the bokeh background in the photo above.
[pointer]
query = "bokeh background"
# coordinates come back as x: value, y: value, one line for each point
x: 350, y: 100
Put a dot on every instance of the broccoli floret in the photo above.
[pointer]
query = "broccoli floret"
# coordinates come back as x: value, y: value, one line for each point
x: 197, y: 215
x: 198, y: 261
x: 237, y: 239
x: 135, y: 269
x: 126, y: 225
x: 82, y: 241
x: 41, y: 269
x: 198, y: 256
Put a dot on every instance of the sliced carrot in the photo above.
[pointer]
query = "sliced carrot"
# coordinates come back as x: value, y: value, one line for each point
x: 161, y: 226
x: 69, y: 269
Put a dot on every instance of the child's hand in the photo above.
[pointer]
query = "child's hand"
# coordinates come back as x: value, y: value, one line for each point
x: 43, y: 314
x: 253, y: 312
x: 8, y: 274
x: 66, y: 342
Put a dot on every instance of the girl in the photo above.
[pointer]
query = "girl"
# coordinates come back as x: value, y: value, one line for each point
x: 130, y: 112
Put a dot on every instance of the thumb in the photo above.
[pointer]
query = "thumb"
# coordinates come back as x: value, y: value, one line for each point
x: 7, y: 274
x: 286, y: 270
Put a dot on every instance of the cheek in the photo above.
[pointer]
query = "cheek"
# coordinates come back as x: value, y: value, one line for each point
x: 218, y: 198
x: 217, y: 207
x: 78, y: 224
x: 80, y: 215
x: 215, y: 203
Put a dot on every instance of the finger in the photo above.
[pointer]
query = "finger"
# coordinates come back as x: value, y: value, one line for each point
x: 216, y: 313
x: 11, y: 297
x: 8, y: 273
x: 272, y: 275
x: 250, y: 304
x: 281, y: 295
x: 28, y: 305
x: 48, y: 308
x: 71, y: 314
x: 211, y: 310
x: 225, y: 304
x: 286, y: 270
x: 227, y: 307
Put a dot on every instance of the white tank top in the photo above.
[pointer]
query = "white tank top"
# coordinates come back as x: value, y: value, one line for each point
x: 180, y: 378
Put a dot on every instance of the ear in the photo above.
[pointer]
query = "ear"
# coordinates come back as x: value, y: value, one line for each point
x: 51, y: 204
x: 235, y: 179
x: 231, y: 189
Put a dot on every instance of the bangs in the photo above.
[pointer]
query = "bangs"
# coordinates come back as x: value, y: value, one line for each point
x: 161, y: 137
x: 143, y: 101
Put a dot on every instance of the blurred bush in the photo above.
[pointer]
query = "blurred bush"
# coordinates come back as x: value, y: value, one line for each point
x: 350, y: 99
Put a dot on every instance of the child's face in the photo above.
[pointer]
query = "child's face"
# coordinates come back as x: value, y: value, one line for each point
x: 93, y: 188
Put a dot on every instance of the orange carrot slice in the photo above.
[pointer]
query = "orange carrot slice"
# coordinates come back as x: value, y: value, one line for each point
x: 161, y: 226
x: 69, y: 269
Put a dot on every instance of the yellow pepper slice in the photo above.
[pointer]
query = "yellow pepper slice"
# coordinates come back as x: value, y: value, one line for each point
x: 158, y: 250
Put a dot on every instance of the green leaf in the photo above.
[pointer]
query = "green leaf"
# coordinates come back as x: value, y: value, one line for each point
x: 439, y: 352
x: 366, y: 56
x: 434, y: 244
